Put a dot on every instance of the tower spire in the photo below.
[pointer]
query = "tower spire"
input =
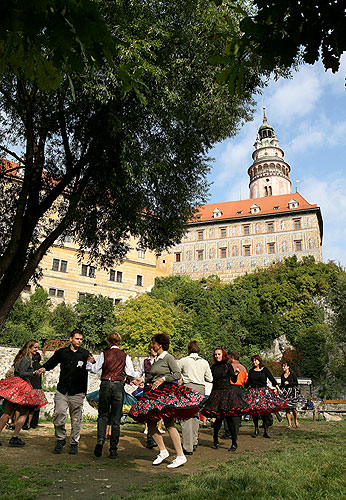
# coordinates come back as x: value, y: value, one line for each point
x: 269, y: 173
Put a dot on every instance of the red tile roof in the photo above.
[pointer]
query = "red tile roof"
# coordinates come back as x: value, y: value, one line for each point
x: 241, y: 208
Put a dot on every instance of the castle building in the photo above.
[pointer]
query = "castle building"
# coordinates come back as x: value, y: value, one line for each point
x: 226, y: 239
x: 232, y: 238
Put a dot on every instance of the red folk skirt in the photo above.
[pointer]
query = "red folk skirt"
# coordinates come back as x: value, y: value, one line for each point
x: 18, y: 391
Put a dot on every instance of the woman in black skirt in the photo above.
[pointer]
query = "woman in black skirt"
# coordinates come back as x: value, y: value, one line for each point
x: 223, y: 401
x: 261, y: 400
x: 290, y: 392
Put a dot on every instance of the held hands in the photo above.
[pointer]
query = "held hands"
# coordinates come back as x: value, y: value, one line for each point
x: 136, y: 381
x: 91, y: 359
x: 39, y: 371
x: 157, y: 383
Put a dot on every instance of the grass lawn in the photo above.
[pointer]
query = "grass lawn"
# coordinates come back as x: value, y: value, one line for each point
x: 303, y: 466
x: 307, y: 464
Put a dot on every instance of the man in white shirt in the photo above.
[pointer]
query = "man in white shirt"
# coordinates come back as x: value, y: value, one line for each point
x: 116, y: 365
x: 195, y: 372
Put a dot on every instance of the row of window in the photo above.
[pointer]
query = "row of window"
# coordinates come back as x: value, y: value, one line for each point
x: 60, y: 294
x: 246, y: 251
x: 202, y: 233
x: 90, y: 272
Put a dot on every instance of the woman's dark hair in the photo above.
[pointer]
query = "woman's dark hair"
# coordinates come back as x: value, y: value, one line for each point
x: 193, y: 346
x: 257, y: 356
x: 161, y: 339
x: 225, y: 357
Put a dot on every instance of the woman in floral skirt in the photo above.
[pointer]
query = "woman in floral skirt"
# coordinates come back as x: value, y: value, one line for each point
x: 166, y: 400
x: 261, y: 400
x: 224, y: 402
x: 19, y: 393
x: 290, y: 392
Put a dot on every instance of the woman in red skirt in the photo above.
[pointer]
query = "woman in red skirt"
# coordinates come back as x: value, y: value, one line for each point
x: 19, y: 393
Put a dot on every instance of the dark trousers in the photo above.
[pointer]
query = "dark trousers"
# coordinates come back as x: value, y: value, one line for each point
x: 111, y: 399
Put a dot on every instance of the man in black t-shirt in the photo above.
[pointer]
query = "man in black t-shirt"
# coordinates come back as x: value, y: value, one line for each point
x: 71, y: 390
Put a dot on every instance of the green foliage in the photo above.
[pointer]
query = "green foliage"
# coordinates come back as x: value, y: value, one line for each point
x: 139, y: 318
x: 281, y: 34
x: 95, y: 318
x: 247, y: 315
x: 28, y: 320
x: 42, y: 41
x: 63, y: 320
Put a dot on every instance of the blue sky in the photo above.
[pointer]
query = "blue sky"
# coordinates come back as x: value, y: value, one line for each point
x: 308, y: 113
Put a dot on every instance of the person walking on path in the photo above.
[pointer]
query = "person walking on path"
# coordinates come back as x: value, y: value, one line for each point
x: 166, y: 400
x: 195, y: 372
x: 19, y: 393
x: 290, y: 392
x: 71, y: 390
x: 116, y: 366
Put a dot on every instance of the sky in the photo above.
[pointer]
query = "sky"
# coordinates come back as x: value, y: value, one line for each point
x: 308, y: 113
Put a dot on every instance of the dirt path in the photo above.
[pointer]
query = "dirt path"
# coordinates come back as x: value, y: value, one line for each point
x: 81, y: 476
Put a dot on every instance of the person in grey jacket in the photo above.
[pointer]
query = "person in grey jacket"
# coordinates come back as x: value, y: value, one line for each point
x: 19, y: 393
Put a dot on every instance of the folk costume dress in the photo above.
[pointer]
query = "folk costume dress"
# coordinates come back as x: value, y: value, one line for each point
x: 18, y: 389
x: 290, y: 392
x: 260, y: 399
x: 169, y: 400
x: 223, y: 400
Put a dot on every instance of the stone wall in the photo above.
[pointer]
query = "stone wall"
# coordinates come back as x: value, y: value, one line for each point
x: 49, y: 380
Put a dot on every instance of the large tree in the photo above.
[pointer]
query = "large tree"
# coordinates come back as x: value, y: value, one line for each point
x: 98, y: 161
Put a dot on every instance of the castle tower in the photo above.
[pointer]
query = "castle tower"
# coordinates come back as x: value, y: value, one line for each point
x: 269, y: 173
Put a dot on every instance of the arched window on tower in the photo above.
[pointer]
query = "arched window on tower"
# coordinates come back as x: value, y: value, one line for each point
x: 269, y: 191
x: 265, y: 191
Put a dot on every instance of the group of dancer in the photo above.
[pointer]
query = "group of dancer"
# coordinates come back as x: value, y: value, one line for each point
x: 173, y: 391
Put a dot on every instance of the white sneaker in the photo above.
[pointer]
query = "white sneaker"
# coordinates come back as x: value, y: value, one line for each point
x: 145, y: 431
x: 177, y: 462
x: 160, y: 457
x: 161, y: 431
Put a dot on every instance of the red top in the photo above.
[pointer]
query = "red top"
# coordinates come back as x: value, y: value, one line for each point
x: 113, y: 367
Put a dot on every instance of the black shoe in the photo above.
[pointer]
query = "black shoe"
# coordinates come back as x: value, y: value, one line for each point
x: 195, y: 446
x: 113, y: 453
x: 216, y: 446
x: 187, y: 453
x: 150, y: 446
x: 26, y: 427
x: 59, y: 446
x: 73, y: 449
x: 225, y: 436
x: 98, y: 450
x: 266, y: 435
x: 16, y: 442
x: 255, y: 434
x: 233, y: 448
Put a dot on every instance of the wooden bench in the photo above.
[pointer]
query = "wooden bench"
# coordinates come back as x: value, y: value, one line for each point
x: 326, y: 406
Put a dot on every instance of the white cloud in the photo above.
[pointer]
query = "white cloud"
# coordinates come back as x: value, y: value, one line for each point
x: 296, y: 97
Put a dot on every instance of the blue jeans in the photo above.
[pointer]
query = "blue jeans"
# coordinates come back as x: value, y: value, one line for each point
x: 111, y: 399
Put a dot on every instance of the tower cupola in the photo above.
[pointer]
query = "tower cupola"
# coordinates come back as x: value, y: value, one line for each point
x: 269, y: 173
